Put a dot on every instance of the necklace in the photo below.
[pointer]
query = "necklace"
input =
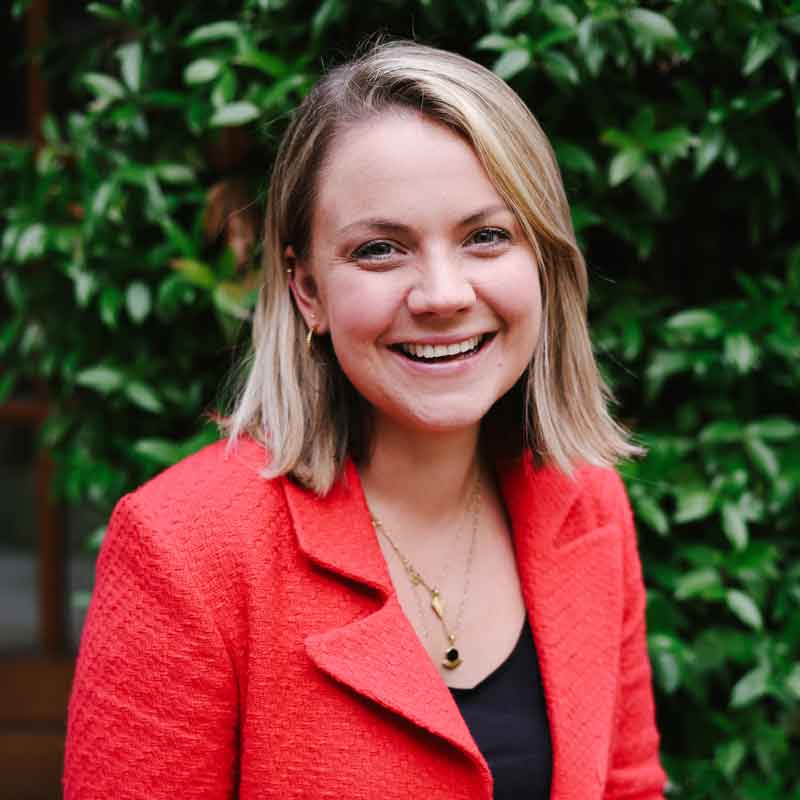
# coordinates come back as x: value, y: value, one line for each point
x: 452, y: 657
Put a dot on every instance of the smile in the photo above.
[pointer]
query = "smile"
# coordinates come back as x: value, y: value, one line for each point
x: 442, y: 352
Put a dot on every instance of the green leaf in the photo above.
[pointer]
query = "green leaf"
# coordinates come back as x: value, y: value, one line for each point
x: 138, y: 301
x: 111, y: 300
x: 743, y: 606
x: 696, y: 322
x: 793, y: 681
x: 735, y: 525
x: 574, y: 158
x: 235, y: 114
x: 729, y: 757
x: 495, y: 41
x: 268, y: 63
x: 142, y: 395
x: 195, y: 272
x: 697, y: 582
x: 651, y: 25
x: 130, y: 56
x: 774, y: 428
x: 740, y: 352
x: 560, y: 14
x: 95, y: 538
x: 98, y: 207
x: 328, y: 12
x: 712, y: 141
x: 650, y: 188
x: 175, y: 173
x: 672, y: 143
x: 648, y: 510
x: 511, y: 63
x: 667, y: 670
x: 723, y: 431
x: 560, y: 68
x: 762, y: 456
x: 513, y: 11
x: 663, y: 365
x: 31, y: 243
x: 693, y: 504
x: 105, y: 12
x: 100, y: 378
x: 202, y: 70
x: 85, y: 284
x: 623, y: 165
x: 224, y: 29
x: 160, y: 451
x: 750, y: 687
x: 761, y: 47
x: 104, y: 86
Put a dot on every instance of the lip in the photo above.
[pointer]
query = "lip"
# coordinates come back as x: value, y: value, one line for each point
x: 441, y: 340
x: 448, y: 367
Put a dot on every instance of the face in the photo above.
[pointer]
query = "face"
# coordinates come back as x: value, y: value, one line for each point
x: 420, y: 274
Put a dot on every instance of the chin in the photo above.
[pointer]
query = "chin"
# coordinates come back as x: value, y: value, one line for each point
x: 445, y: 420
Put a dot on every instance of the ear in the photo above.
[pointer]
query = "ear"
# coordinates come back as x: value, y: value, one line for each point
x: 303, y: 287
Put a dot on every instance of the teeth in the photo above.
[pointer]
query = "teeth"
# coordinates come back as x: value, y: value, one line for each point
x: 441, y: 350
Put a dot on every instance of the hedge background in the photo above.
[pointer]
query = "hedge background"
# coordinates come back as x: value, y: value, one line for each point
x: 128, y: 275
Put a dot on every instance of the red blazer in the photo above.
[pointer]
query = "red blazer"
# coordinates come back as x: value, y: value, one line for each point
x: 244, y: 640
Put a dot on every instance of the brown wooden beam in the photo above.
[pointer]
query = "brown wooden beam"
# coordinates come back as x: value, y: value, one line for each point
x: 36, y: 32
x: 34, y: 691
x: 53, y: 600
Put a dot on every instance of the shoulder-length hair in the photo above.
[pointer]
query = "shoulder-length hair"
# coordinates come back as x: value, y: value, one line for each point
x: 298, y: 402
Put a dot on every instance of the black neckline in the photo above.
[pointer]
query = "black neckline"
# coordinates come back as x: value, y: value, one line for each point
x: 499, y: 669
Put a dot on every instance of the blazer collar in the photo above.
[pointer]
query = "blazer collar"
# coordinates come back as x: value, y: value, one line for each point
x: 380, y: 656
x: 336, y: 531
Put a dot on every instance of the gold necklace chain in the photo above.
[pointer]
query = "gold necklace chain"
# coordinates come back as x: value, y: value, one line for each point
x: 452, y: 657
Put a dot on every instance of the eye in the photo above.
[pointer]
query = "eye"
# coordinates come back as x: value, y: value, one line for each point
x: 374, y: 251
x: 488, y: 237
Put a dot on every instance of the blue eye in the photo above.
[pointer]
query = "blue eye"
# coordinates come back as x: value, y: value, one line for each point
x: 374, y: 250
x: 488, y: 237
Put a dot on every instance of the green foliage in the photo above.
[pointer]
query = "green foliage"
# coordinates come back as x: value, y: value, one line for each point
x: 676, y: 125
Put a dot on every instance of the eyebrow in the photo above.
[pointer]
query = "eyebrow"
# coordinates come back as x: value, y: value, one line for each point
x: 391, y: 226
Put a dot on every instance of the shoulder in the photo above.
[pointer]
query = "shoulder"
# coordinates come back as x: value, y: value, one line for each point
x: 602, y: 493
x: 597, y: 501
x: 213, y: 500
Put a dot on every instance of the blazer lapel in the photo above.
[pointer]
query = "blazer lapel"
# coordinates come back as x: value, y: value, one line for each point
x: 378, y: 655
x: 571, y: 575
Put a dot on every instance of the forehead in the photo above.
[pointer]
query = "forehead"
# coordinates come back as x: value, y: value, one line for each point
x: 401, y: 164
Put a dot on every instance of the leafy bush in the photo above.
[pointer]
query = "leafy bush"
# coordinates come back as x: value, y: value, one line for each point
x: 129, y: 282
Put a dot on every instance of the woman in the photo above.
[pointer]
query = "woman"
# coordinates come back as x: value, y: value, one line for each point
x: 429, y: 585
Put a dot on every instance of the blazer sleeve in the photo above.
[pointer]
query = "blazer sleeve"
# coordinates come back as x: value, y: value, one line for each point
x: 153, y: 711
x: 635, y: 771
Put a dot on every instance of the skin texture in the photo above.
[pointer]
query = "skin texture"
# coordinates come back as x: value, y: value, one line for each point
x: 398, y: 254
x: 411, y: 243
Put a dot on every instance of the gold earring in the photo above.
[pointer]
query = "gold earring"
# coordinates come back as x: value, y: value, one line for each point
x: 309, y: 336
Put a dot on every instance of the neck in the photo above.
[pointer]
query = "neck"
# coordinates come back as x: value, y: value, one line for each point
x: 433, y: 474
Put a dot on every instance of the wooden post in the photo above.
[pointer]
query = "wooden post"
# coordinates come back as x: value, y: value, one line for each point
x: 35, y: 32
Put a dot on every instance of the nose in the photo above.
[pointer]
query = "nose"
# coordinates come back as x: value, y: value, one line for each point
x: 442, y: 289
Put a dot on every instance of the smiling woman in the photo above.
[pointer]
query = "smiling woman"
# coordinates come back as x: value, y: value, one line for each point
x: 412, y: 570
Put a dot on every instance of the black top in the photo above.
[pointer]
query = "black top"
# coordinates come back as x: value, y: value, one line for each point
x: 506, y: 716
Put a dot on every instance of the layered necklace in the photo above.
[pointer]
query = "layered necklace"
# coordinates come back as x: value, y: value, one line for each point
x: 452, y: 657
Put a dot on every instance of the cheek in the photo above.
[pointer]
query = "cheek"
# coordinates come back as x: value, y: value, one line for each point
x: 359, y: 311
x: 516, y: 297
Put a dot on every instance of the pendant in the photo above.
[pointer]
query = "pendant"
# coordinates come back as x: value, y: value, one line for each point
x: 436, y: 604
x: 451, y: 658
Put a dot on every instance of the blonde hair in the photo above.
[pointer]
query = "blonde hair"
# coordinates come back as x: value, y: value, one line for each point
x: 298, y: 402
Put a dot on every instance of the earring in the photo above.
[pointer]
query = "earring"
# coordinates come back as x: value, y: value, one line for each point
x: 309, y: 336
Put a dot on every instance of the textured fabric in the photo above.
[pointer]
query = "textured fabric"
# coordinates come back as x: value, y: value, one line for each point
x: 506, y: 716
x: 244, y: 640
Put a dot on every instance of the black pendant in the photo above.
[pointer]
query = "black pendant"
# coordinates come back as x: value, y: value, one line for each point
x: 451, y: 658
